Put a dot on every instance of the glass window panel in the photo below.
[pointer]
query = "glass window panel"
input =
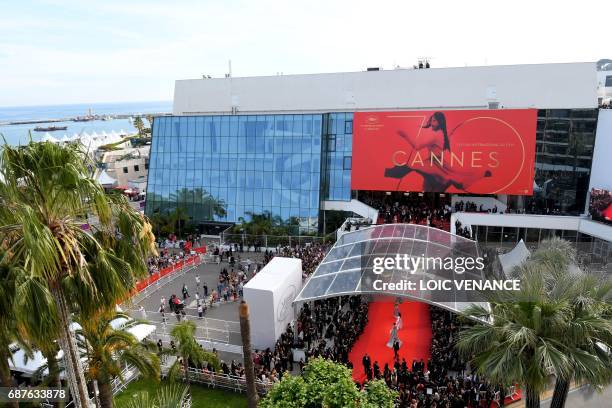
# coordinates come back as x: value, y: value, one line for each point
x: 345, y: 282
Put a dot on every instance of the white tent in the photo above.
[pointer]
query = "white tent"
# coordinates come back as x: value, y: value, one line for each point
x: 28, y: 366
x: 270, y: 295
x: 105, y: 180
x: 48, y: 138
x: 141, y: 331
x: 514, y: 258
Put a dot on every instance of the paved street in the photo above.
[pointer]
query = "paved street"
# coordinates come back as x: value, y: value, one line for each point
x: 221, y: 322
x: 586, y: 397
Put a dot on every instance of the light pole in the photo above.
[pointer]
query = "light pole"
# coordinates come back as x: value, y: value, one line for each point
x: 245, y: 334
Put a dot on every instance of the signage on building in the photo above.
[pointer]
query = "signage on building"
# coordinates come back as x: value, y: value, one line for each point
x: 458, y: 151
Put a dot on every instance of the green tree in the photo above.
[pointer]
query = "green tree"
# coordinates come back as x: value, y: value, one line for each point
x: 327, y: 384
x: 139, y: 125
x: 534, y: 333
x: 9, y: 336
x: 108, y: 350
x: 378, y: 395
x: 588, y: 337
x: 190, y: 351
x: 168, y: 396
x: 48, y: 194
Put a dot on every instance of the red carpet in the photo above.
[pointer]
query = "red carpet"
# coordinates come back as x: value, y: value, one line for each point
x: 415, y: 335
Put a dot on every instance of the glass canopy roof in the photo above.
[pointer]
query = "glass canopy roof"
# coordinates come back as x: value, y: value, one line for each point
x: 347, y: 269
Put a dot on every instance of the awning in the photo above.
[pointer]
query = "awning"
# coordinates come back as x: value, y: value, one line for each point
x: 106, y: 180
x: 514, y: 258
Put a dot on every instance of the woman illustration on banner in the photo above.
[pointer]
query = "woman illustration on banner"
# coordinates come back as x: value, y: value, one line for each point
x: 439, y: 175
x: 394, y: 337
x: 398, y: 321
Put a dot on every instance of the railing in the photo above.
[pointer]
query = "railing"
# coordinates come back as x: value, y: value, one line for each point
x: 207, y: 329
x: 129, y: 374
x: 153, y: 285
x: 228, y: 382
x: 352, y: 224
x: 259, y: 243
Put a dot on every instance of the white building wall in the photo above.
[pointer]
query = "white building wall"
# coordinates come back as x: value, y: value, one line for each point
x: 601, y: 169
x: 556, y: 222
x: 572, y: 85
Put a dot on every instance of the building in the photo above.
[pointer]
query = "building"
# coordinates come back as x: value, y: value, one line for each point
x: 128, y: 166
x: 292, y: 145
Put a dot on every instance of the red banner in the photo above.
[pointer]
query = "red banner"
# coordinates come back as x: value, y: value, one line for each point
x: 459, y: 151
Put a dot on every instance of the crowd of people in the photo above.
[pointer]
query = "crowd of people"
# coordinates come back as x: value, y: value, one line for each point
x: 462, y: 231
x: 329, y: 328
x: 470, y: 206
x: 441, y: 382
x: 413, y: 209
x: 171, y: 251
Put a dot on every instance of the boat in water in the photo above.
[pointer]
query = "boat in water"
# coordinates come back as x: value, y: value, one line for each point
x: 49, y: 128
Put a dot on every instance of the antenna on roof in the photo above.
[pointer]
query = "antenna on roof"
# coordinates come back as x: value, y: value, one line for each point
x: 229, y: 74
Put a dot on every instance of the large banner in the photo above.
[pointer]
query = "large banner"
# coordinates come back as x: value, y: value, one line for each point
x: 458, y: 151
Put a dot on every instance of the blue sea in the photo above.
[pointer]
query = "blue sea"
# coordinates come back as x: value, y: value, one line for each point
x: 19, y: 134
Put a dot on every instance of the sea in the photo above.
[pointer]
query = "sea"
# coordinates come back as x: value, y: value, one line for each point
x: 20, y: 134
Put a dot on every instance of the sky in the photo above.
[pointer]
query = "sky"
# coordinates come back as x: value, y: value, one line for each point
x: 65, y: 51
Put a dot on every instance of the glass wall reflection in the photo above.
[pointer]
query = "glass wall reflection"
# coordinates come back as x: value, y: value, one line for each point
x: 224, y: 168
x: 564, y: 151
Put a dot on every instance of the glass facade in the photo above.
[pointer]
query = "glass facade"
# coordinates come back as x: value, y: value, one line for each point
x: 593, y: 252
x: 337, y: 151
x: 564, y: 151
x: 223, y: 168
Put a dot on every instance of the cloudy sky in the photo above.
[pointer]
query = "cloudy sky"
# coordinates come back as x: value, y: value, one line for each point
x: 64, y: 51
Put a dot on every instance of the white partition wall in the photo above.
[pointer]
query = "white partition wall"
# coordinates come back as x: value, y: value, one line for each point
x: 270, y: 295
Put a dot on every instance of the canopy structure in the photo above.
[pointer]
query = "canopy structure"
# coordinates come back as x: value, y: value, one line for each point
x: 347, y: 268
x: 106, y: 180
x: 514, y: 258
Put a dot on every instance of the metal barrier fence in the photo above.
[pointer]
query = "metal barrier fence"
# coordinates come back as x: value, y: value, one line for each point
x: 161, y: 282
x: 209, y: 342
x: 228, y: 382
x: 207, y: 329
x: 255, y: 243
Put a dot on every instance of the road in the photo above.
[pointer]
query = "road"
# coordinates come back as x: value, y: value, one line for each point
x: 586, y: 397
x: 221, y: 322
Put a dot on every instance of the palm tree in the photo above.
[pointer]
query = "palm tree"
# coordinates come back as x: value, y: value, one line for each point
x: 47, y: 194
x: 534, y: 333
x: 521, y: 343
x: 169, y: 396
x: 245, y: 335
x: 139, y: 125
x: 189, y: 350
x: 108, y: 350
x: 9, y: 336
x: 588, y: 337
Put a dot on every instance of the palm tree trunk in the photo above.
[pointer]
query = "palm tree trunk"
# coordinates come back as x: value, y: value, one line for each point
x: 54, y: 370
x: 74, y: 369
x: 560, y: 394
x: 532, y: 399
x: 5, y: 377
x: 106, y: 394
x: 245, y: 334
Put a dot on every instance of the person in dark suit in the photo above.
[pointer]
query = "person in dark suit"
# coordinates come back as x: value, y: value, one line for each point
x: 376, y: 370
x: 367, y: 363
x: 396, y: 347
